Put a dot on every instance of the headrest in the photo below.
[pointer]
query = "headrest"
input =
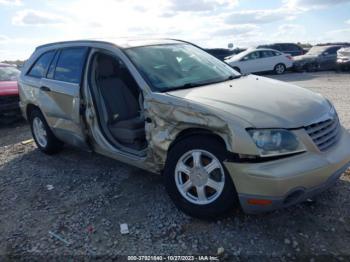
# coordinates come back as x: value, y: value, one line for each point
x: 106, y: 66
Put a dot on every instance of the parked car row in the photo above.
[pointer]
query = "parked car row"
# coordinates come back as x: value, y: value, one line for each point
x: 320, y: 57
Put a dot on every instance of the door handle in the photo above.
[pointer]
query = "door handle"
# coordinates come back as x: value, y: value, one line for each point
x: 45, y: 88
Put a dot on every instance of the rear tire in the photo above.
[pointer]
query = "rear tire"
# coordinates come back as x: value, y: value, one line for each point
x: 201, y: 188
x: 279, y: 69
x: 42, y: 134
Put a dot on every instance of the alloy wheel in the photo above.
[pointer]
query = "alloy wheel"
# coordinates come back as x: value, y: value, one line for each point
x: 199, y: 177
x: 279, y: 69
x: 39, y: 132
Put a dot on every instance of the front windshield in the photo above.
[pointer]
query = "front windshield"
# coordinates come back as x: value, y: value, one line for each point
x: 316, y: 50
x: 9, y: 73
x: 175, y: 66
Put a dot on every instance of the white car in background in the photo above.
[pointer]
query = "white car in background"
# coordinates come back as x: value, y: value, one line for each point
x: 260, y: 60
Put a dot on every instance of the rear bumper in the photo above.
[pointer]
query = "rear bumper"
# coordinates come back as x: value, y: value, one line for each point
x: 276, y: 184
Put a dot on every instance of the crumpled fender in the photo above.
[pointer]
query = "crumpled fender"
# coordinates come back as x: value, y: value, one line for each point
x: 169, y: 118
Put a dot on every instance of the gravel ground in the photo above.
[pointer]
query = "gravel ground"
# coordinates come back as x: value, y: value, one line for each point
x: 83, y: 198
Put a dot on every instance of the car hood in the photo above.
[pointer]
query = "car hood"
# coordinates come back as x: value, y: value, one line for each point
x: 344, y: 53
x: 8, y: 88
x: 260, y: 101
x: 304, y: 57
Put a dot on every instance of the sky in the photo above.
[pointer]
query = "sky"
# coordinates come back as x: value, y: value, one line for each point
x: 25, y: 24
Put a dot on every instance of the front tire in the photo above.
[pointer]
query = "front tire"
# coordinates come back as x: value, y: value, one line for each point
x: 280, y: 69
x: 42, y: 134
x: 197, y: 180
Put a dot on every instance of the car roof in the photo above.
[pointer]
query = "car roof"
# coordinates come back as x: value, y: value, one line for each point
x: 327, y: 46
x: 119, y: 42
x: 6, y: 65
x: 250, y: 50
x: 279, y: 44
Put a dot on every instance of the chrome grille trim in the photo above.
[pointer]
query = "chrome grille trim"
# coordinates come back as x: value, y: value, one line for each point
x: 325, y: 134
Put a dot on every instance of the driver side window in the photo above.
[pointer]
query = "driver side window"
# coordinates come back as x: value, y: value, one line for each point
x: 332, y: 51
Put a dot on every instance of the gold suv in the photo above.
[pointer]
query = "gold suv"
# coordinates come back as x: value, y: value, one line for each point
x: 219, y: 138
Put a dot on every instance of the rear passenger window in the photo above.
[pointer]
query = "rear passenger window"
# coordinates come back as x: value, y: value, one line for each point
x: 70, y: 64
x: 51, y: 71
x: 252, y: 56
x: 41, y: 65
x: 266, y: 54
x: 333, y: 50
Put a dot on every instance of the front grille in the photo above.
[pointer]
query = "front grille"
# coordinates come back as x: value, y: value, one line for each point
x: 325, y: 134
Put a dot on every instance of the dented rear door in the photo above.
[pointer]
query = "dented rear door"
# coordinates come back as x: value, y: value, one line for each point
x: 60, y: 98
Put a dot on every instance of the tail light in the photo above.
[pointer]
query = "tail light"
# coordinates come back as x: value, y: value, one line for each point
x: 289, y: 57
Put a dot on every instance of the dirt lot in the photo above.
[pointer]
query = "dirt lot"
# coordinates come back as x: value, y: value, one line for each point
x: 84, y: 197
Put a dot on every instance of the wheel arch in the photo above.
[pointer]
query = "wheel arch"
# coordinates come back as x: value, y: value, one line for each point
x: 186, y: 133
x: 280, y: 63
x: 30, y: 108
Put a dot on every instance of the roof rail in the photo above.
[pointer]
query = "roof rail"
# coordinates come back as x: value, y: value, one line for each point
x: 72, y: 42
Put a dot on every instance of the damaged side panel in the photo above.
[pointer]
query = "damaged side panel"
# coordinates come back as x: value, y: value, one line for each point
x: 169, y: 118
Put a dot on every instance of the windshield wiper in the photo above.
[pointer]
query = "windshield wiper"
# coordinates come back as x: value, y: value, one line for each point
x: 185, y: 86
x: 232, y: 77
x: 191, y: 85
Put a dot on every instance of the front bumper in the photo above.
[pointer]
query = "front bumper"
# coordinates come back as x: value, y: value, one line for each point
x: 9, y: 103
x: 343, y: 63
x: 275, y: 184
x: 302, y: 66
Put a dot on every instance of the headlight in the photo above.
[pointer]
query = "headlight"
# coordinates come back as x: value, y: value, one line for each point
x: 273, y: 142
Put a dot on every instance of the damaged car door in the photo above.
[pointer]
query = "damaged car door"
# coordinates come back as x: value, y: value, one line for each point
x: 56, y: 78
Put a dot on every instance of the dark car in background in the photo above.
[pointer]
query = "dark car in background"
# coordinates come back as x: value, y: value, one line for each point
x: 9, y: 97
x: 343, y: 59
x: 317, y: 58
x: 222, y: 53
x: 288, y: 48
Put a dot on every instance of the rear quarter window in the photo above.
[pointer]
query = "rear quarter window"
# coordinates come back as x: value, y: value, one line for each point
x: 40, y: 66
x: 70, y: 64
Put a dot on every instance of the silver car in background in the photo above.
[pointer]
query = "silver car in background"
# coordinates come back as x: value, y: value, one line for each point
x: 343, y: 59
